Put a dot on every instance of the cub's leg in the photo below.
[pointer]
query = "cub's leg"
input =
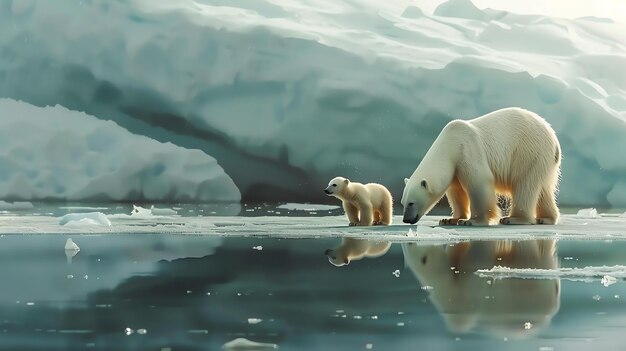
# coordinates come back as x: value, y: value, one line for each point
x: 352, y: 212
x: 366, y: 213
x: 377, y: 217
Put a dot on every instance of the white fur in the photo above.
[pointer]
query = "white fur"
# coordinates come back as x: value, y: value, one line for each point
x: 365, y: 204
x: 355, y: 249
x: 512, y: 151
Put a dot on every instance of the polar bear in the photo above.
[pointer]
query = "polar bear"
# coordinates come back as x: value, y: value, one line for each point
x: 512, y: 152
x: 355, y: 249
x: 469, y: 302
x: 365, y: 204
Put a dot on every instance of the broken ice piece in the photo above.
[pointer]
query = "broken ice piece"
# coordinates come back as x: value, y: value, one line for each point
x: 70, y: 245
x: 243, y: 344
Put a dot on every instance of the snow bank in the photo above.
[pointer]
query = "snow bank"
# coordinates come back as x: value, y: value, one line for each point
x: 54, y: 153
x: 306, y: 207
x: 251, y: 82
x: 90, y: 218
x: 241, y: 344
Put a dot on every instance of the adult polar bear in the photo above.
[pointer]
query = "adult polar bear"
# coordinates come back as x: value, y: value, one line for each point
x: 512, y: 151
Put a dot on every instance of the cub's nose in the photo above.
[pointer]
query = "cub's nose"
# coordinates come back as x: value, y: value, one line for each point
x: 327, y: 191
x: 405, y: 220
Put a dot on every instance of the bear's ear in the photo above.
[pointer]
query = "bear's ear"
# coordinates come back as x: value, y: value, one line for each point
x: 346, y: 181
x: 424, y: 184
x: 406, y: 180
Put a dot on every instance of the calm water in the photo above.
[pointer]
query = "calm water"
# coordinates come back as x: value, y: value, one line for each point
x: 196, y: 293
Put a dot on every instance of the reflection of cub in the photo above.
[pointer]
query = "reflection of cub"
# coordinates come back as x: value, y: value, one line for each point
x: 511, y: 307
x: 356, y: 249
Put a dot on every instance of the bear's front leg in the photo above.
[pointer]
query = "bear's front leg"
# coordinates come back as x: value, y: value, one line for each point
x: 483, y: 204
x: 459, y: 203
x: 352, y: 212
x: 366, y: 213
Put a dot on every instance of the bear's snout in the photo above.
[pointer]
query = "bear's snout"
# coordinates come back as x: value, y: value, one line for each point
x: 411, y: 221
x: 327, y: 191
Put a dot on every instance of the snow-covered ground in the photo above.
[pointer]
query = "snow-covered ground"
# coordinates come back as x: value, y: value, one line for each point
x: 53, y: 153
x: 572, y: 227
x: 274, y: 85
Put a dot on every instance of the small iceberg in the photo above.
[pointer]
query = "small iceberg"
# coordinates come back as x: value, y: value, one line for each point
x: 71, y: 250
x: 291, y: 206
x: 163, y: 211
x: 89, y: 218
x: 588, y: 213
x: 243, y: 344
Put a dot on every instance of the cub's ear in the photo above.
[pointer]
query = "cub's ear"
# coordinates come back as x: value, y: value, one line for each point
x: 346, y: 181
x: 424, y: 184
x: 406, y: 180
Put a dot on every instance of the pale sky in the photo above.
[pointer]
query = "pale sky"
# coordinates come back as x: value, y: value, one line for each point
x: 614, y: 9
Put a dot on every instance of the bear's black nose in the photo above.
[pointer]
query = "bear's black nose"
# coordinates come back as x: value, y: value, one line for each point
x: 327, y: 191
x: 406, y: 220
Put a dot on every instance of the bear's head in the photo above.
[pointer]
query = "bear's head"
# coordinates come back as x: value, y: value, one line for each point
x: 418, y: 199
x: 336, y: 186
x: 337, y: 257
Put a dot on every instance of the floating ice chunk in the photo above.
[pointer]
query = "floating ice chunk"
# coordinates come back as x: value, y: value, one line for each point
x: 142, y: 331
x: 410, y: 233
x: 16, y: 206
x: 258, y: 248
x: 608, y: 280
x: 163, y: 211
x: 70, y: 245
x: 586, y: 274
x: 623, y: 215
x: 254, y: 320
x: 396, y: 273
x: 528, y: 325
x: 243, y: 344
x: 587, y: 213
x: 140, y: 212
x: 128, y: 331
x: 89, y: 218
x: 291, y: 206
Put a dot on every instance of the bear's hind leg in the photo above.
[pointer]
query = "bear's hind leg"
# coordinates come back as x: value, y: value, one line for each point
x: 386, y: 210
x: 547, y: 209
x: 523, y: 204
x: 377, y: 217
x: 459, y: 203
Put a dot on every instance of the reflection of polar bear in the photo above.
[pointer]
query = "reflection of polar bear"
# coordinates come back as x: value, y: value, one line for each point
x: 510, y: 152
x: 365, y: 204
x: 355, y: 249
x: 469, y: 302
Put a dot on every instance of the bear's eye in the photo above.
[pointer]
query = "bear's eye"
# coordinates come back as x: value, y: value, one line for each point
x: 411, y: 204
x: 334, y: 184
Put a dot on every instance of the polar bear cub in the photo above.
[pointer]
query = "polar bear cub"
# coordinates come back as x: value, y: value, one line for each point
x: 352, y: 249
x: 365, y: 204
x: 512, y: 152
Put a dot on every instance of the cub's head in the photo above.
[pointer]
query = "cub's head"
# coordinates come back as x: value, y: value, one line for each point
x: 337, y: 257
x: 417, y: 199
x: 336, y: 186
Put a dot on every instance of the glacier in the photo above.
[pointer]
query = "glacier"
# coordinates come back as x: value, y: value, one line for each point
x: 52, y: 153
x: 287, y: 94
